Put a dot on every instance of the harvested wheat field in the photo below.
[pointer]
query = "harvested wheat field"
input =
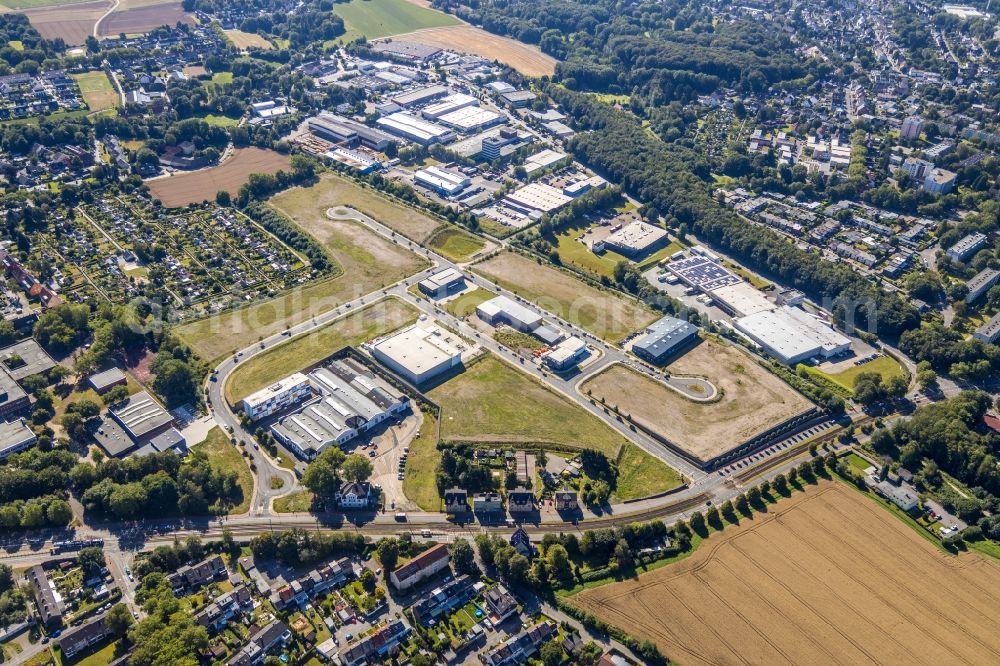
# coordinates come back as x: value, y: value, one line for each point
x: 752, y: 399
x: 247, y: 40
x: 204, y: 184
x: 72, y: 23
x: 143, y: 19
x: 827, y: 577
x: 527, y: 59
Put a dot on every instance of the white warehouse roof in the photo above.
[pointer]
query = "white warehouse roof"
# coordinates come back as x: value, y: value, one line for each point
x: 792, y: 335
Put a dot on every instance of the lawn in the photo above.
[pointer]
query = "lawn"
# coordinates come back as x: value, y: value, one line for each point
x: 373, y: 19
x: 465, y: 304
x: 222, y: 455
x: 97, y: 90
x: 886, y: 366
x: 603, y: 313
x: 222, y: 77
x: 642, y: 475
x: 353, y: 328
x: 493, y: 402
x: 333, y: 190
x: 221, y: 121
x: 455, y: 244
x: 103, y: 656
x: 857, y: 463
x: 297, y: 502
x: 420, y: 483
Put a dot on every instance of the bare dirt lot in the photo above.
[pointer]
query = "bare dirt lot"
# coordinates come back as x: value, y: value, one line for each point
x: 333, y: 190
x: 196, y: 186
x: 603, y: 313
x: 73, y: 23
x: 828, y: 577
x: 752, y: 401
x: 526, y: 59
x: 143, y: 19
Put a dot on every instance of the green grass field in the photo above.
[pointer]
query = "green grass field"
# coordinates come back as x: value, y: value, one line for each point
x: 222, y: 77
x: 641, y: 475
x: 352, y: 329
x: 373, y: 19
x: 297, y: 502
x: 221, y: 121
x: 224, y: 456
x: 493, y: 402
x: 886, y: 366
x: 420, y: 483
x: 465, y: 305
x: 97, y: 90
x: 455, y: 244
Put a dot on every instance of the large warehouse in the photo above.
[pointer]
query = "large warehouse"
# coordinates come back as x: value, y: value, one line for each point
x: 636, y: 239
x: 415, y: 129
x: 351, y: 400
x: 419, y: 353
x: 741, y: 299
x: 792, y: 335
x: 442, y: 181
x: 663, y: 338
x: 502, y: 310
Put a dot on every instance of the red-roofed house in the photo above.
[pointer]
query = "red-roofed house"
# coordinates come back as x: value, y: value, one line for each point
x: 422, y: 566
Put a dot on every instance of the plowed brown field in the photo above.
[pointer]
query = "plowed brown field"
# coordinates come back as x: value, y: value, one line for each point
x: 197, y: 186
x: 525, y: 58
x: 72, y: 23
x: 827, y: 577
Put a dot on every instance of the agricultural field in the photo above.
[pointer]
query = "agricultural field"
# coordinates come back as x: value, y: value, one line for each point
x: 603, y: 313
x: 373, y: 19
x: 525, y: 58
x: 202, y: 185
x: 71, y: 22
x: 17, y: 5
x: 752, y: 399
x: 97, y: 91
x: 456, y: 244
x: 827, y: 576
x: 492, y: 402
x: 248, y: 40
x: 137, y: 17
x: 333, y: 190
x: 354, y: 328
x: 366, y: 262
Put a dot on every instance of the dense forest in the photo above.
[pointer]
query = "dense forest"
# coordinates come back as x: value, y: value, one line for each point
x: 665, y: 51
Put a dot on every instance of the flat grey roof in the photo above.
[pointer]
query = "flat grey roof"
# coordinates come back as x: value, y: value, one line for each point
x: 141, y: 415
x: 35, y: 359
x: 113, y: 438
x: 9, y: 389
x: 107, y: 378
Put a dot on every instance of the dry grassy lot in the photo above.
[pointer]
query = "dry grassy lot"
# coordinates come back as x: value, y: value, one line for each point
x: 752, y: 401
x: 367, y: 262
x: 197, y: 186
x: 827, y: 577
x: 333, y: 190
x: 527, y: 59
x: 603, y: 313
x: 248, y: 40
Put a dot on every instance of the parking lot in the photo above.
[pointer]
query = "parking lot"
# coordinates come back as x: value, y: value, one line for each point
x: 388, y: 451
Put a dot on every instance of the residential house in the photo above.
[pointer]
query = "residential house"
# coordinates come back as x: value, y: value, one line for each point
x: 424, y: 565
x: 316, y: 582
x: 189, y: 577
x: 355, y: 495
x: 374, y: 647
x: 456, y: 501
x: 262, y: 640
x: 566, y: 500
x: 521, y: 500
x: 216, y: 615
x: 500, y: 603
x: 444, y: 599
x: 488, y: 502
x: 520, y: 647
x: 78, y: 639
x: 50, y: 606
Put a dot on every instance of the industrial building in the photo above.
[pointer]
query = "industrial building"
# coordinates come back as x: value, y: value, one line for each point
x: 441, y: 180
x: 350, y: 132
x: 13, y: 399
x: 419, y: 353
x: 663, y: 338
x: 542, y: 160
x: 139, y: 426
x: 141, y: 416
x: 276, y: 397
x: 981, y: 284
x: 15, y: 436
x: 502, y: 310
x: 420, y: 95
x: 792, y: 335
x: 636, y: 239
x: 449, y: 104
x: 350, y: 400
x: 567, y: 354
x: 537, y: 198
x: 102, y: 382
x: 471, y: 119
x: 415, y: 129
x: 361, y: 162
x: 407, y: 50
x: 741, y: 299
x: 968, y: 246
x: 990, y: 331
x: 443, y: 283
x: 519, y: 98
